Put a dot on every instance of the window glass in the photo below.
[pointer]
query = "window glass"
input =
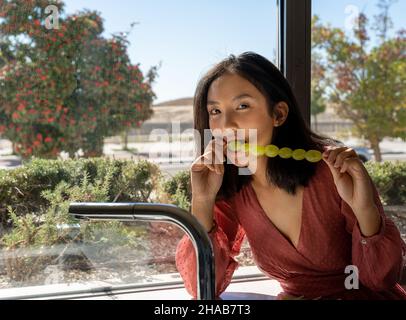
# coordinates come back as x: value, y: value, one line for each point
x: 358, y: 91
x: 86, y: 90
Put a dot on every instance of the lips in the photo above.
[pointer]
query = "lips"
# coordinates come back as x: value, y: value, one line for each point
x: 234, y: 146
x: 233, y: 140
x: 236, y: 157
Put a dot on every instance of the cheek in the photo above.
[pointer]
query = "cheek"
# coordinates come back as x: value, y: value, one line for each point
x: 213, y: 124
x: 265, y: 135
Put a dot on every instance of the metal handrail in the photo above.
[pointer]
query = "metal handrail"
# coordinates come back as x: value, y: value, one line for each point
x: 160, y: 212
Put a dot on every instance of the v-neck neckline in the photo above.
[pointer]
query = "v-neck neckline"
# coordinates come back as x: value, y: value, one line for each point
x: 269, y: 221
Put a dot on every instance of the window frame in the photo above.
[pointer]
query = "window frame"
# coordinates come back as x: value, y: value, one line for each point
x: 294, y: 61
x: 294, y: 49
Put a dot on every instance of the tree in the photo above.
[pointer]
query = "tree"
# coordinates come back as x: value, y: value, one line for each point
x: 66, y: 88
x: 318, y: 84
x: 368, y: 86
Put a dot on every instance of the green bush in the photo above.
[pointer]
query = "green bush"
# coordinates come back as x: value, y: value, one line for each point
x: 36, y: 198
x: 390, y: 180
x: 179, y: 190
x: 23, y: 188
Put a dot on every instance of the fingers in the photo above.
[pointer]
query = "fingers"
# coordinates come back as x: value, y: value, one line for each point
x: 216, y: 162
x: 204, y: 161
x: 212, y: 158
x: 336, y: 156
x: 347, y: 164
x: 343, y: 160
x: 348, y: 153
x: 197, y: 165
x: 216, y: 151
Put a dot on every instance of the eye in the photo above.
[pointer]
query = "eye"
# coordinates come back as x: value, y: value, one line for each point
x: 212, y: 112
x: 246, y: 106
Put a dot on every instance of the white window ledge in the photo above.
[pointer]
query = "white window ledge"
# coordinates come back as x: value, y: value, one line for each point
x: 248, y: 283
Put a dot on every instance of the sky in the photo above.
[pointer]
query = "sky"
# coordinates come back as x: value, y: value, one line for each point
x: 187, y: 37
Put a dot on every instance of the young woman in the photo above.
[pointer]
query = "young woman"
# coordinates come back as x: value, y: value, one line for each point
x: 305, y: 221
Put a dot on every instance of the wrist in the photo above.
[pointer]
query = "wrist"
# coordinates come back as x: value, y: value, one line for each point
x: 370, y: 208
x: 202, y: 209
x: 203, y: 199
x: 366, y: 211
x: 369, y: 220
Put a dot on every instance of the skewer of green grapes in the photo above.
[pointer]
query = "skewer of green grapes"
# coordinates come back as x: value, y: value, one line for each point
x: 273, y: 151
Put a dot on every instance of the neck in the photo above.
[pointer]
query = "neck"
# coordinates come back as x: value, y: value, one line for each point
x: 259, y: 178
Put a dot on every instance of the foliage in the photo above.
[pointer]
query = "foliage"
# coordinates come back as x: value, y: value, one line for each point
x: 39, y: 183
x: 390, y: 180
x: 43, y: 223
x: 66, y: 89
x: 367, y: 85
x: 318, y: 82
x: 179, y: 190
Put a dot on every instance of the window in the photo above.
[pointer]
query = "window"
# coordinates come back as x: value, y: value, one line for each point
x: 358, y: 92
x: 83, y: 81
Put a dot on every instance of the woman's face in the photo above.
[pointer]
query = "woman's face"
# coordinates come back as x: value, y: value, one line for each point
x: 234, y: 103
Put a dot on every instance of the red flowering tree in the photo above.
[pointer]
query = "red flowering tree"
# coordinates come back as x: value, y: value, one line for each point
x: 65, y: 88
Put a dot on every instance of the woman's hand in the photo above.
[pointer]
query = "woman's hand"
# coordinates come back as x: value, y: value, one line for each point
x: 355, y: 187
x: 350, y: 177
x: 207, y: 171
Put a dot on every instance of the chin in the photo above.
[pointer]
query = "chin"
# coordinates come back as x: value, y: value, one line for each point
x: 238, y: 163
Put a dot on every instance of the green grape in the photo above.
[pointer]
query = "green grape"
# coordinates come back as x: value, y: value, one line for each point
x: 299, y: 154
x: 313, y: 156
x: 233, y: 146
x: 257, y: 150
x: 246, y: 147
x: 285, y: 153
x: 271, y: 151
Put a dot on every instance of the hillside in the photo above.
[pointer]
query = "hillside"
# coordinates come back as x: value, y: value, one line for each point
x: 177, y: 102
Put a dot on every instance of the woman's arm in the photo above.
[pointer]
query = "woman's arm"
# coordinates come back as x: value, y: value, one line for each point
x: 202, y: 209
x: 226, y: 236
x: 377, y: 247
x: 380, y: 257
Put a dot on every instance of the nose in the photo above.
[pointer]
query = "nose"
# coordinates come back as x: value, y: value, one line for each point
x: 230, y: 126
x: 229, y: 119
x: 229, y: 129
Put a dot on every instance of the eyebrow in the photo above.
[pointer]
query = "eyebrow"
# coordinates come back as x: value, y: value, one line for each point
x: 241, y: 96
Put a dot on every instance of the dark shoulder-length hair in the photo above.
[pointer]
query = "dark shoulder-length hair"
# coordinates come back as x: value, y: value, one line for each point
x: 286, y: 174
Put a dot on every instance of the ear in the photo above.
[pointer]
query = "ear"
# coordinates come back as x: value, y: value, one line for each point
x: 281, y: 111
